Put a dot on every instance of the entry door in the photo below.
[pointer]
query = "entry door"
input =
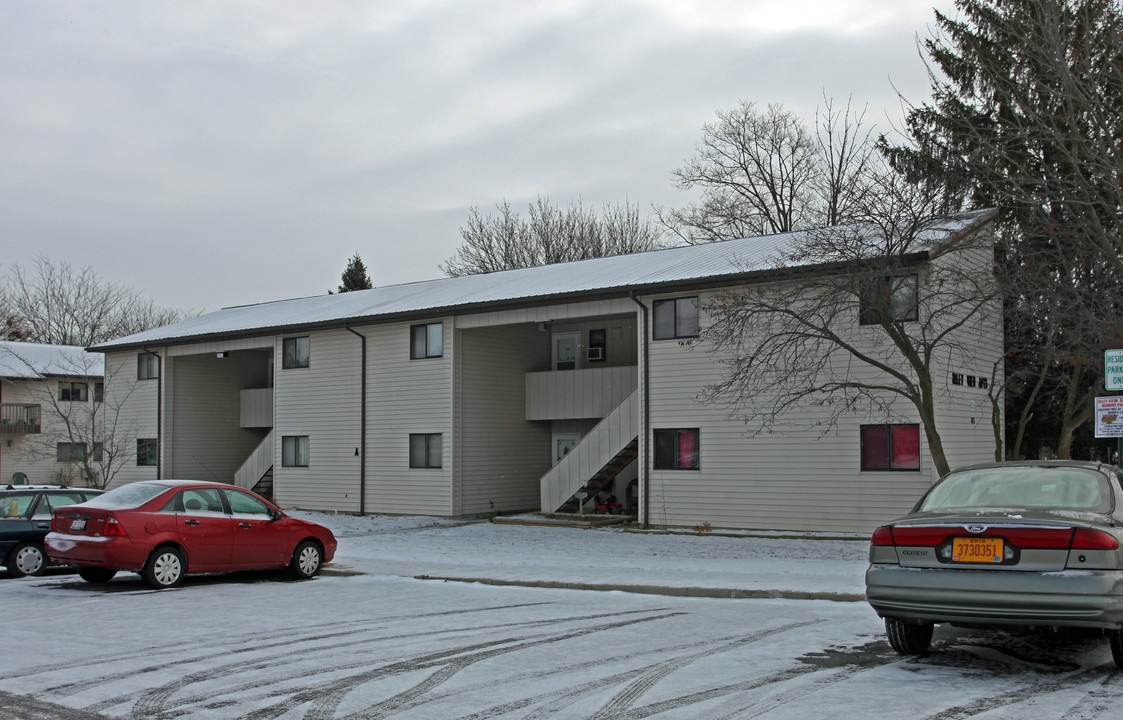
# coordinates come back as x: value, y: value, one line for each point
x: 565, y: 350
x: 563, y: 443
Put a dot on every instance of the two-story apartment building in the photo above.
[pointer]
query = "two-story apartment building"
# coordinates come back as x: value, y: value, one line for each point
x: 50, y: 413
x: 514, y: 390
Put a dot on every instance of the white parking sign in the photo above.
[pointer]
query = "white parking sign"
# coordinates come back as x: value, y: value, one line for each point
x: 1113, y: 369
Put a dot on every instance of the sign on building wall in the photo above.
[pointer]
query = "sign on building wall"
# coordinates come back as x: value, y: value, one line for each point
x: 1109, y: 417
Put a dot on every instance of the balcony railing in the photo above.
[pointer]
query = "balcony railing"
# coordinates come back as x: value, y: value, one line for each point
x: 21, y: 418
x: 568, y: 394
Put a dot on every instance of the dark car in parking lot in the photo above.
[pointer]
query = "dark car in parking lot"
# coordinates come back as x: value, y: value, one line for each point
x: 1019, y: 544
x: 166, y: 529
x: 25, y: 519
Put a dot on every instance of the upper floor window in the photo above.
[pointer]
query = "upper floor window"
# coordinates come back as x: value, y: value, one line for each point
x: 295, y: 352
x: 677, y: 449
x: 891, y: 447
x: 74, y: 392
x: 147, y: 366
x: 890, y: 299
x: 426, y: 341
x: 99, y: 392
x: 676, y: 318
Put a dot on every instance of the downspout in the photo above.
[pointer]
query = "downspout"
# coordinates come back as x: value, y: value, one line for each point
x: 362, y: 424
x: 159, y: 412
x: 645, y: 398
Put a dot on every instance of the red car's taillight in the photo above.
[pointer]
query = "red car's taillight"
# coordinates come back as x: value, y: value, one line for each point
x: 1085, y: 539
x: 113, y: 528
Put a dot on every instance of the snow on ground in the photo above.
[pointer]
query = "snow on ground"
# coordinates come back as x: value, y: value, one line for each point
x: 446, y: 548
x: 367, y: 640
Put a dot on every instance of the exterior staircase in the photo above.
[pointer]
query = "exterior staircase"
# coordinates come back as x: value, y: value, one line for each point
x: 257, y: 466
x: 596, y: 460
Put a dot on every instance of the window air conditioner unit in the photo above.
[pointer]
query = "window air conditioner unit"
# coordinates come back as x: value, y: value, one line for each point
x: 595, y: 353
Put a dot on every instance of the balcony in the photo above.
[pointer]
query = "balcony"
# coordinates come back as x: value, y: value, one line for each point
x: 572, y: 394
x: 257, y: 408
x: 20, y: 418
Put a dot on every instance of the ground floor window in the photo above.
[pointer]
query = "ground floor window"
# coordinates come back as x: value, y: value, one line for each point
x: 677, y: 449
x: 425, y: 450
x: 294, y: 451
x: 891, y: 447
x: 70, y: 452
x: 147, y: 451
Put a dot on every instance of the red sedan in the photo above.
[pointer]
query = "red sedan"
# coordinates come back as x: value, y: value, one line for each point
x: 166, y: 529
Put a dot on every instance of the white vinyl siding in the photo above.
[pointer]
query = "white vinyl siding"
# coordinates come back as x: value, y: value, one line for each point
x: 321, y: 402
x: 407, y: 397
x: 137, y: 400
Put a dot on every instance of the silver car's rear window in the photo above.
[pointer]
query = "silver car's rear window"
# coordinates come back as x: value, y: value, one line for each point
x: 1046, y: 488
x: 128, y: 496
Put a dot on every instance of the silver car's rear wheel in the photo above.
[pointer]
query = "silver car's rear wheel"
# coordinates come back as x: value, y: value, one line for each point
x: 908, y: 638
x: 1115, y: 637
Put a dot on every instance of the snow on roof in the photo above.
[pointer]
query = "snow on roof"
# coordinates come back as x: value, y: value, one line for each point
x: 32, y: 361
x: 679, y: 265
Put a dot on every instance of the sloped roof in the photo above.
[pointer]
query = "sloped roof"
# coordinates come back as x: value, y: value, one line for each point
x: 530, y: 286
x: 31, y: 361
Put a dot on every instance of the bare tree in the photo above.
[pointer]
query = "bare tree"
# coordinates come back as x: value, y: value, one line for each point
x: 55, y: 303
x: 762, y: 173
x: 548, y: 235
x: 888, y: 306
x: 79, y: 428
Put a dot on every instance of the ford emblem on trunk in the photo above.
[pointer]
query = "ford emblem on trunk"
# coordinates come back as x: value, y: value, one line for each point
x: 976, y: 528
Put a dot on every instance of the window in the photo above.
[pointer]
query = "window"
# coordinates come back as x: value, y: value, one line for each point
x: 890, y: 447
x: 70, y: 452
x: 147, y: 366
x: 295, y: 352
x: 245, y: 504
x: 98, y: 452
x: 73, y: 392
x: 200, y: 501
x: 677, y: 449
x: 426, y: 341
x: 894, y: 297
x: 598, y: 343
x: 676, y: 318
x: 99, y: 392
x: 294, y: 451
x: 147, y: 451
x: 425, y: 450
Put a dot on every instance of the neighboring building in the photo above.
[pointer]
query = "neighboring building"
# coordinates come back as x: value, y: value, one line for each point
x: 512, y: 390
x: 50, y: 414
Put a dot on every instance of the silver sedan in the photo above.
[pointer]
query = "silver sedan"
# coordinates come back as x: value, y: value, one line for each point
x: 1032, y: 545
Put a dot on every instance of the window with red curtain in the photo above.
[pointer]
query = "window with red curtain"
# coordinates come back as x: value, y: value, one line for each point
x: 676, y: 449
x: 891, y: 447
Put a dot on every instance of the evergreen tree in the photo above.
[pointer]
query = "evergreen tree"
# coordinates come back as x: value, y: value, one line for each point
x: 355, y: 276
x: 1026, y: 117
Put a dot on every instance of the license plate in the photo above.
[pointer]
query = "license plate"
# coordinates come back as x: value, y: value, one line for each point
x: 976, y: 550
x: 77, y: 524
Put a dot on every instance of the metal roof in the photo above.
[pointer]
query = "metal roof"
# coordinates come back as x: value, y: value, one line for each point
x: 529, y: 286
x: 32, y: 361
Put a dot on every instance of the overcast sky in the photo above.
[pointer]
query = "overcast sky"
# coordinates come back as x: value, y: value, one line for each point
x: 215, y: 153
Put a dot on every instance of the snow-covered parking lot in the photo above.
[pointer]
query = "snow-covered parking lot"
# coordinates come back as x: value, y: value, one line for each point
x: 369, y: 640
